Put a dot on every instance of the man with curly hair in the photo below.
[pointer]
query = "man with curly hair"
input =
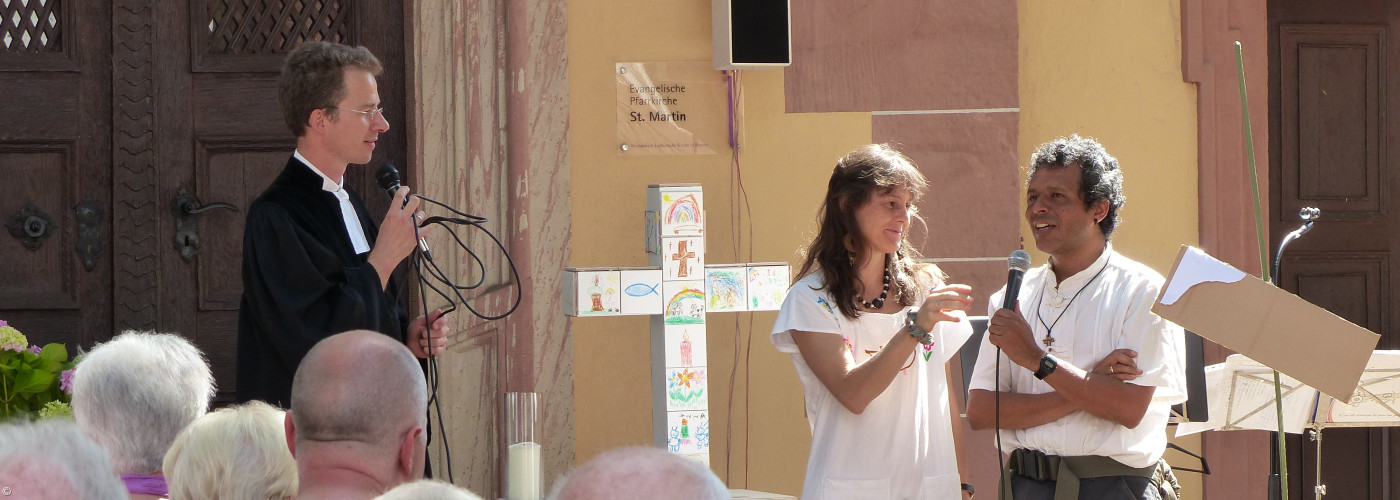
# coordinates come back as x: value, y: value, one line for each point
x: 1096, y: 432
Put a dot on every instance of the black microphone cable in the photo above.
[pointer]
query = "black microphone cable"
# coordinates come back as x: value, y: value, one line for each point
x: 1019, y: 260
x: 1003, y: 478
x: 429, y: 272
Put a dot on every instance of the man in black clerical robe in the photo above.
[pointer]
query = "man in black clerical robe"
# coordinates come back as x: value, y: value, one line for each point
x: 309, y: 270
x: 302, y: 282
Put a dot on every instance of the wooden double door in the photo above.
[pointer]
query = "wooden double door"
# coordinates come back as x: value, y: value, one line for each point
x: 1334, y: 117
x: 133, y: 135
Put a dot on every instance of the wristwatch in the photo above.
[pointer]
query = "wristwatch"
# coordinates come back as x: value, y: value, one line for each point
x: 971, y: 492
x: 1047, y: 366
x: 914, y: 331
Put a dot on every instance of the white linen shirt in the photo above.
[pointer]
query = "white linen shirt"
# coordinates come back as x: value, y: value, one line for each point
x: 901, y: 446
x: 347, y: 210
x: 1114, y: 312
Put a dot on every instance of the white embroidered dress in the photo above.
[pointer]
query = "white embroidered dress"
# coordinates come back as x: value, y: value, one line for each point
x: 901, y: 446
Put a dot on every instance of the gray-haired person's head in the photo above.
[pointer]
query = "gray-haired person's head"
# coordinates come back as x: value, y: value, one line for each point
x: 235, y: 452
x: 427, y: 489
x: 639, y: 473
x: 135, y: 393
x: 53, y: 460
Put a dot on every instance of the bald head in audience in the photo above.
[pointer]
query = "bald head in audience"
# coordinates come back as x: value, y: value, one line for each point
x: 641, y: 474
x: 53, y: 460
x: 356, y: 425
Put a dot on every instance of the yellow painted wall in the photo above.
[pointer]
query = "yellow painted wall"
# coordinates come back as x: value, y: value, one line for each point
x: 1108, y: 70
x: 1112, y: 70
x: 785, y: 162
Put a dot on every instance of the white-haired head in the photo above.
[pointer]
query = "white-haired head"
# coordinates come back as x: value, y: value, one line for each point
x: 640, y: 473
x: 236, y: 452
x: 53, y: 460
x: 135, y: 393
x: 427, y: 489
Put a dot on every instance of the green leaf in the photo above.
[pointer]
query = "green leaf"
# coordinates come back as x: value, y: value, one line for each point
x: 29, y: 380
x: 54, y: 352
x: 47, y: 365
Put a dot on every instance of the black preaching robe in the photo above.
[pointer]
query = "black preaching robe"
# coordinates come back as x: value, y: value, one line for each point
x: 303, y: 282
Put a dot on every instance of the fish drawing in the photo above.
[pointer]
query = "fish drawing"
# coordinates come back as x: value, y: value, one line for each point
x: 642, y: 289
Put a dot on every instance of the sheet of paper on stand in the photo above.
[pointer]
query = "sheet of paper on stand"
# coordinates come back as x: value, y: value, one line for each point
x: 1264, y: 322
x: 1241, y: 395
x: 1376, y: 402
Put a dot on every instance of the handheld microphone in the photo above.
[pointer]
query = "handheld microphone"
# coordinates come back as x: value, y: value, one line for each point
x: 388, y: 178
x: 1019, y: 262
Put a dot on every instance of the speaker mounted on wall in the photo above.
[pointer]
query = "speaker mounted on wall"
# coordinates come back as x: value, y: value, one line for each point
x: 752, y: 34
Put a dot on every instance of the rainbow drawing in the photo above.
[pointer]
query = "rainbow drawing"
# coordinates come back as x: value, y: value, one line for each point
x: 683, y: 216
x: 686, y: 307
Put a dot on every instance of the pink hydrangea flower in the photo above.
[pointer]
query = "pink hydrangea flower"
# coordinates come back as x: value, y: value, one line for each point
x: 66, y: 381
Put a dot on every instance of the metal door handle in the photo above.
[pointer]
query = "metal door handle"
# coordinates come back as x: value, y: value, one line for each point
x: 186, y: 203
x: 186, y: 232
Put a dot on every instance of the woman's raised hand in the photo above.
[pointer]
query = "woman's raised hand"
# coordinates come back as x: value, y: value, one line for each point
x: 944, y: 303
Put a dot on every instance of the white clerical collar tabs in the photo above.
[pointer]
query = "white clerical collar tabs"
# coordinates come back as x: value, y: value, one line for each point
x: 326, y: 182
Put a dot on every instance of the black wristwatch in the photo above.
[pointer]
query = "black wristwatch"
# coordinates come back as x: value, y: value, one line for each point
x: 1047, y: 366
x: 971, y: 492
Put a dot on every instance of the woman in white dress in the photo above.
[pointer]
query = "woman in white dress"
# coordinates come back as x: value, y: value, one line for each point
x: 870, y: 332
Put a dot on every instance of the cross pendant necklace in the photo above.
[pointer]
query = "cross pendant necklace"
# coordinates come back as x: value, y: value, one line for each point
x: 1049, y: 339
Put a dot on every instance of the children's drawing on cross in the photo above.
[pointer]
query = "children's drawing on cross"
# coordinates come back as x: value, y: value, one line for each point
x: 678, y: 291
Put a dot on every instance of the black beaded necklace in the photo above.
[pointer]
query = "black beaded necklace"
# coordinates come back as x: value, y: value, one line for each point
x: 878, y: 302
x: 1049, y: 340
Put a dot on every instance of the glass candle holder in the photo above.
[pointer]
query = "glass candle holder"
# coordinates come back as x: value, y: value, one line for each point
x: 522, y: 447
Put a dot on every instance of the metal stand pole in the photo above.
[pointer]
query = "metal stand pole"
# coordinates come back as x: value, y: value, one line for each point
x: 1278, y: 463
x: 1319, y: 489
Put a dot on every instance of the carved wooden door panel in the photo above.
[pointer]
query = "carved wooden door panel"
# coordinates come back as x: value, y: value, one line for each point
x: 221, y: 139
x: 119, y: 118
x: 1334, y: 116
x: 55, y: 174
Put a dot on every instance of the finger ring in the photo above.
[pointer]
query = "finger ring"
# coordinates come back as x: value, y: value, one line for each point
x: 1110, y: 369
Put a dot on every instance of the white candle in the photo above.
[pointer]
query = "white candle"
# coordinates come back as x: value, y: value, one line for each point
x: 523, y: 471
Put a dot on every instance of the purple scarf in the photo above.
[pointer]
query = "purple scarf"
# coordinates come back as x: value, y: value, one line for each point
x: 137, y: 484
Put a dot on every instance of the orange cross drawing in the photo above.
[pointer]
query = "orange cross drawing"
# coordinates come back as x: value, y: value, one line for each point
x: 683, y: 256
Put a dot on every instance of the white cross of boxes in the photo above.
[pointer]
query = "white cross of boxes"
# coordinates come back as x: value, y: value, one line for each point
x: 677, y: 293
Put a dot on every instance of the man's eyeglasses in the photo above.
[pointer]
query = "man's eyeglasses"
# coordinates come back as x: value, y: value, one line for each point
x: 369, y: 115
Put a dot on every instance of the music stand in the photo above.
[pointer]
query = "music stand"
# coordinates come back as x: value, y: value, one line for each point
x: 1242, y: 397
